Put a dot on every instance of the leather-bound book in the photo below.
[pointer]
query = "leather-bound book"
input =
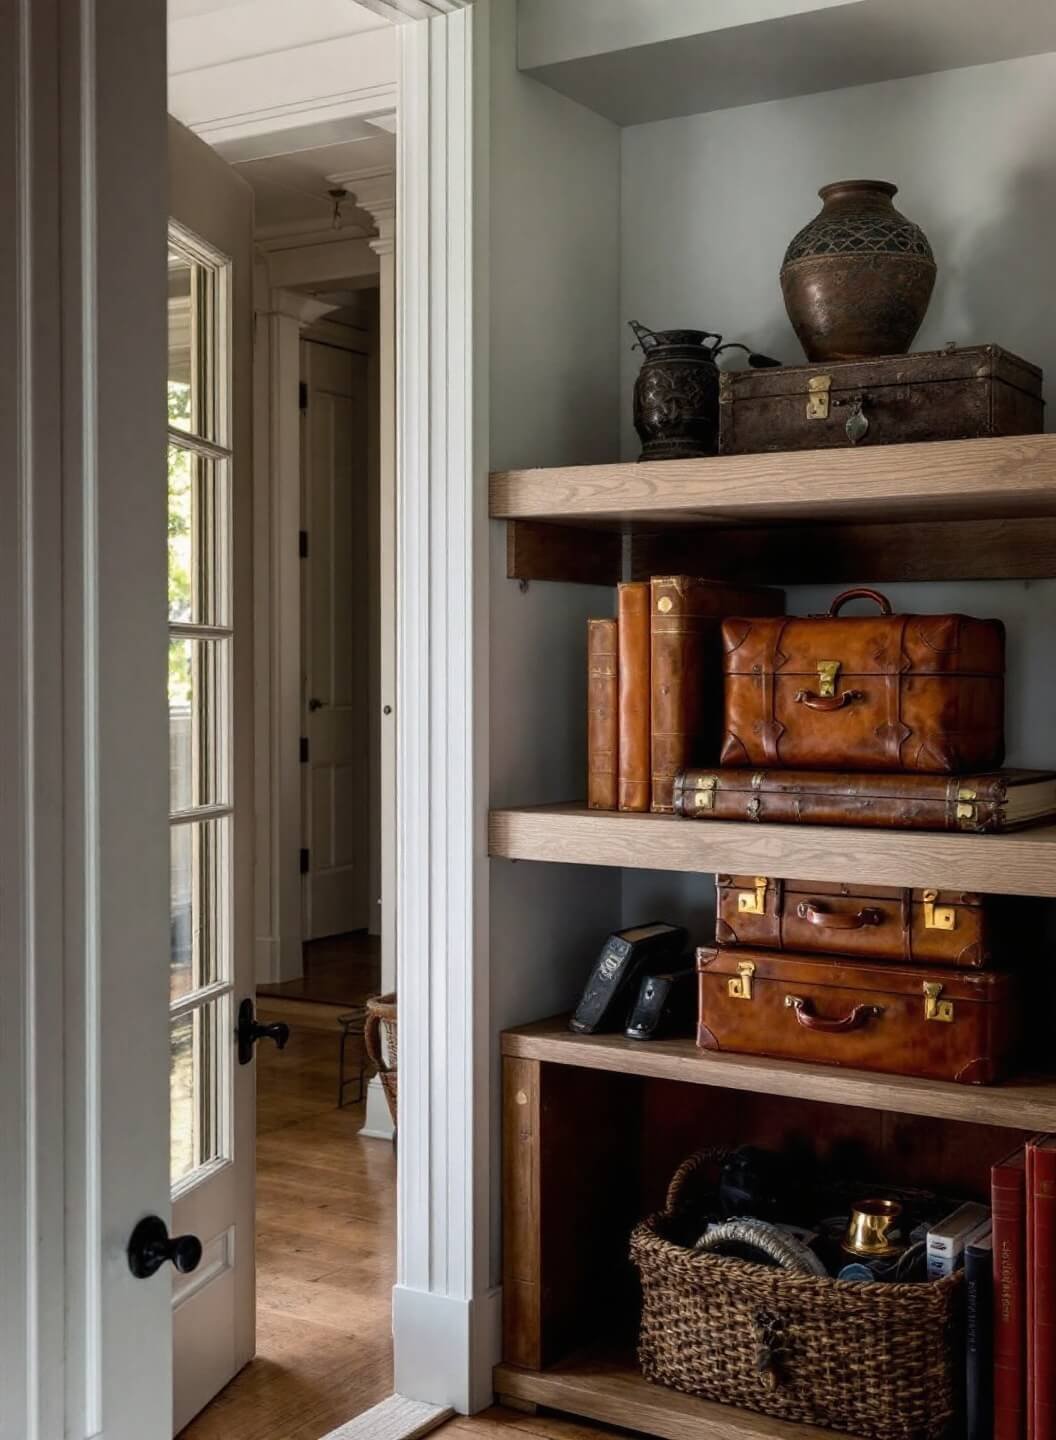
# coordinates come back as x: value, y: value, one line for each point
x: 602, y: 714
x: 635, y: 791
x: 1041, y: 1165
x: 1009, y: 1205
x: 979, y: 1337
x: 686, y: 670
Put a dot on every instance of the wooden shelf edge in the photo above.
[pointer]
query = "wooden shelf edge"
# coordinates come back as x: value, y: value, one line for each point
x: 1022, y: 863
x: 614, y: 1392
x: 1019, y: 1105
x: 995, y: 478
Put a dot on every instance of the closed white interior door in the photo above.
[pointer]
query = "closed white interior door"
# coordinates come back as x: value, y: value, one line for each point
x: 210, y: 769
x: 335, y: 642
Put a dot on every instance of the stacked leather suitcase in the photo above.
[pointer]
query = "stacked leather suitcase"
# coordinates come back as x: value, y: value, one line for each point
x: 859, y: 975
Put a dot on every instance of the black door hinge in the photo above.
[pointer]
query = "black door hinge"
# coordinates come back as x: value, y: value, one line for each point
x: 304, y: 749
x: 305, y: 858
x: 302, y: 395
x: 302, y: 544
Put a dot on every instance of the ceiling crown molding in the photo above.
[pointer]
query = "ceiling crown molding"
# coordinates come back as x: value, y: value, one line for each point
x: 401, y: 11
x: 375, y: 192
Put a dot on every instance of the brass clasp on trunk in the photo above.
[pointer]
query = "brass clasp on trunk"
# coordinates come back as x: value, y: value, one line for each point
x: 818, y: 387
x: 938, y: 917
x: 934, y: 1008
x: 740, y: 985
x: 827, y: 673
x: 753, y: 902
x: 704, y: 794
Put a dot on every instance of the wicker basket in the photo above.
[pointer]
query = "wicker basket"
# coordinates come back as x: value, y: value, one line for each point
x: 877, y: 1360
x: 380, y: 1039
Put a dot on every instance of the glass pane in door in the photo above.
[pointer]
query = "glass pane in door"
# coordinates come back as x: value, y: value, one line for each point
x: 194, y: 1088
x: 197, y: 538
x: 199, y: 927
x: 197, y: 723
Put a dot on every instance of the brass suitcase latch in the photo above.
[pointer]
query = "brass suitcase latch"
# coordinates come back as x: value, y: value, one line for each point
x: 753, y: 902
x: 934, y: 1008
x: 938, y: 917
x: 740, y: 985
x: 818, y: 387
x: 704, y: 795
x: 966, y: 798
x: 827, y: 673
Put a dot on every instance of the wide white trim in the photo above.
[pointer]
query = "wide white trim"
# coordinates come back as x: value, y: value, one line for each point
x: 377, y: 1123
x: 403, y: 10
x: 444, y: 1318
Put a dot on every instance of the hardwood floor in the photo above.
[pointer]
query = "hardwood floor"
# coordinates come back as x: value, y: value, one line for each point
x: 326, y: 1208
x: 340, y: 971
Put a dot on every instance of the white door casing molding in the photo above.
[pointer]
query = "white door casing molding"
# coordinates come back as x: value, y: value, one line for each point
x: 401, y: 11
x: 445, y: 1319
x: 83, y: 844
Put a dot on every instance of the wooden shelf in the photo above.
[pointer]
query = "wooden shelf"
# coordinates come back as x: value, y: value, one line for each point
x: 607, y: 1386
x: 1023, y: 1105
x: 945, y: 480
x: 1022, y: 863
x: 964, y: 509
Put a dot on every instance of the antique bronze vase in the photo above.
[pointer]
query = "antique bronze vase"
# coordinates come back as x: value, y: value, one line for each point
x: 858, y: 278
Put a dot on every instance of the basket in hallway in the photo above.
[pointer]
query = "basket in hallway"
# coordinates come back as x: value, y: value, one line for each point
x: 877, y: 1360
x: 380, y: 1040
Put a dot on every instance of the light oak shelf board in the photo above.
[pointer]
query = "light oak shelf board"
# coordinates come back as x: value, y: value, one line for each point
x: 609, y: 1388
x: 1022, y: 863
x: 1000, y: 478
x: 1026, y: 1104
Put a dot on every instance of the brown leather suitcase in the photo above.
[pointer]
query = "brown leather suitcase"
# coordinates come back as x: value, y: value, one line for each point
x: 953, y: 394
x: 935, y: 1024
x: 879, y: 692
x: 1000, y: 801
x: 869, y: 922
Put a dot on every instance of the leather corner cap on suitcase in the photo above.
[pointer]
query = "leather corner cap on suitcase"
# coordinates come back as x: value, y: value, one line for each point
x: 876, y: 692
x: 999, y: 801
x: 929, y: 1023
x: 869, y: 922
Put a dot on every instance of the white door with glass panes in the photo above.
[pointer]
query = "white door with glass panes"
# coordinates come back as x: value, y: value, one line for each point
x: 210, y: 693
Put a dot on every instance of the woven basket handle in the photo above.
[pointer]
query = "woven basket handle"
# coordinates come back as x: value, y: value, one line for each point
x: 680, y: 1190
x: 372, y: 1043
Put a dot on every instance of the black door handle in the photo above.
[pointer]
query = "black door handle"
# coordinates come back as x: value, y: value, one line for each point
x: 314, y: 704
x: 151, y: 1245
x: 250, y: 1030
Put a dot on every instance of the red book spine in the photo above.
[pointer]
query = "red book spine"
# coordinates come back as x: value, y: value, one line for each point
x: 1008, y: 1200
x: 1044, y: 1279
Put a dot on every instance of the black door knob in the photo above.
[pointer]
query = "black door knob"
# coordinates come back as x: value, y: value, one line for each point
x: 151, y: 1245
x: 251, y: 1030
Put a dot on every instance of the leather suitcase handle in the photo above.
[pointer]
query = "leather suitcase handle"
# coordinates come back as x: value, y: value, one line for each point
x: 828, y: 702
x: 832, y: 920
x: 859, y: 1016
x: 860, y: 592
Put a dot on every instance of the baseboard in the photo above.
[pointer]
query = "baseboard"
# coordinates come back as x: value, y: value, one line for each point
x: 377, y: 1123
x: 446, y: 1348
x: 396, y: 1418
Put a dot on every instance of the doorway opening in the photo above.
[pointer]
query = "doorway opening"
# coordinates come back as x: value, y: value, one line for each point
x: 294, y: 203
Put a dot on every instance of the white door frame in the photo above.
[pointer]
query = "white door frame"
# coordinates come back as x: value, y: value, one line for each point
x: 445, y: 1313
x: 83, y: 836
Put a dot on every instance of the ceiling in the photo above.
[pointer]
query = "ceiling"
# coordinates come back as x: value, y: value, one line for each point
x: 290, y: 92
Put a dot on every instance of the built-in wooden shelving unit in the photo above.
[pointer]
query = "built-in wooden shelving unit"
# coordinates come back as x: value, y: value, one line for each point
x: 591, y: 1122
x: 1025, y: 1104
x: 961, y: 509
x: 606, y: 1385
x: 1021, y: 863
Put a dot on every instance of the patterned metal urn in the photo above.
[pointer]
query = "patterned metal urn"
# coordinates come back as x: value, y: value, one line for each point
x: 858, y: 278
x: 676, y: 395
